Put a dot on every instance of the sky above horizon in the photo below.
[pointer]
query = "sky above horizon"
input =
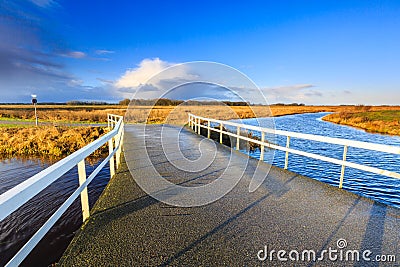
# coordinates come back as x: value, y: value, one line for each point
x: 312, y: 52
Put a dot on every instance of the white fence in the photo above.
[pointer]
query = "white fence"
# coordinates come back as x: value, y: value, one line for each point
x: 197, y: 122
x: 22, y: 193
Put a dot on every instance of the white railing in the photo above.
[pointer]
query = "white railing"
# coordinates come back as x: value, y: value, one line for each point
x: 22, y: 193
x: 197, y: 122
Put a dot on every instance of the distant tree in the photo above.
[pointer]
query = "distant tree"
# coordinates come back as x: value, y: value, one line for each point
x: 74, y: 103
x: 82, y: 103
x: 125, y: 102
x: 174, y: 102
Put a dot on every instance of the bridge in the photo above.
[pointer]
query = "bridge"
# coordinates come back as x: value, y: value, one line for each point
x: 288, y: 218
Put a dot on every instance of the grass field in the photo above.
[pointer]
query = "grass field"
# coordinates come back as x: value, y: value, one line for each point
x: 48, y: 141
x: 178, y: 115
x: 382, y: 121
x: 161, y: 114
x: 60, y: 113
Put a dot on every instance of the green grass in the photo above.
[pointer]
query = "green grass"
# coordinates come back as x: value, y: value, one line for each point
x: 15, y: 119
x: 47, y: 121
x: 384, y: 115
x: 382, y: 121
x: 15, y: 125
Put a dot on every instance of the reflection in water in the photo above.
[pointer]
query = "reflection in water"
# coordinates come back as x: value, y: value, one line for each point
x: 377, y: 187
x: 19, y: 226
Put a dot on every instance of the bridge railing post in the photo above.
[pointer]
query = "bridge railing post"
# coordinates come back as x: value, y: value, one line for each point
x: 84, y: 193
x: 110, y: 151
x: 343, y: 167
x: 287, y: 152
x: 119, y: 144
x: 262, y: 146
x: 199, y: 127
x: 220, y: 133
x: 238, y: 137
x: 208, y: 129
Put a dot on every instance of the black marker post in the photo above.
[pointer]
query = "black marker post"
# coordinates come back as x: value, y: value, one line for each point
x: 34, y: 102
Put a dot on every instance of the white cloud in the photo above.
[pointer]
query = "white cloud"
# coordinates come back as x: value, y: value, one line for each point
x: 105, y: 81
x: 74, y: 82
x: 291, y: 93
x: 142, y: 74
x: 154, y: 77
x: 104, y: 52
x: 75, y: 54
x: 44, y: 3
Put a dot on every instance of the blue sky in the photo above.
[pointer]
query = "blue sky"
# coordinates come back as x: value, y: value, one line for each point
x: 314, y: 52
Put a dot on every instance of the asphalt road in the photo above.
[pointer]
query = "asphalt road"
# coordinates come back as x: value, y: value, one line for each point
x: 289, y: 212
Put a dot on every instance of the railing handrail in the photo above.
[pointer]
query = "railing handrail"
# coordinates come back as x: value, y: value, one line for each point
x: 14, y: 198
x: 195, y: 123
x: 312, y: 137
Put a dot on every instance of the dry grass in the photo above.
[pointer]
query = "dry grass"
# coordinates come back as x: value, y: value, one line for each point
x: 60, y: 113
x: 55, y: 142
x: 179, y: 114
x: 48, y: 141
x: 163, y: 114
x: 383, y: 121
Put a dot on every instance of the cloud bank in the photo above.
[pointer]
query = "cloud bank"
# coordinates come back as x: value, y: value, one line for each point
x: 292, y: 93
x: 154, y: 76
x: 140, y: 75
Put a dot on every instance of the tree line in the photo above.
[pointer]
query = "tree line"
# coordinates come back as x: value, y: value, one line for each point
x: 172, y: 102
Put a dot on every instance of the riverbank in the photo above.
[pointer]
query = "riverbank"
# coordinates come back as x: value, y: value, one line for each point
x: 162, y: 114
x: 177, y: 115
x: 48, y: 141
x: 384, y: 121
x: 56, y: 142
x: 59, y: 114
x: 150, y: 114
